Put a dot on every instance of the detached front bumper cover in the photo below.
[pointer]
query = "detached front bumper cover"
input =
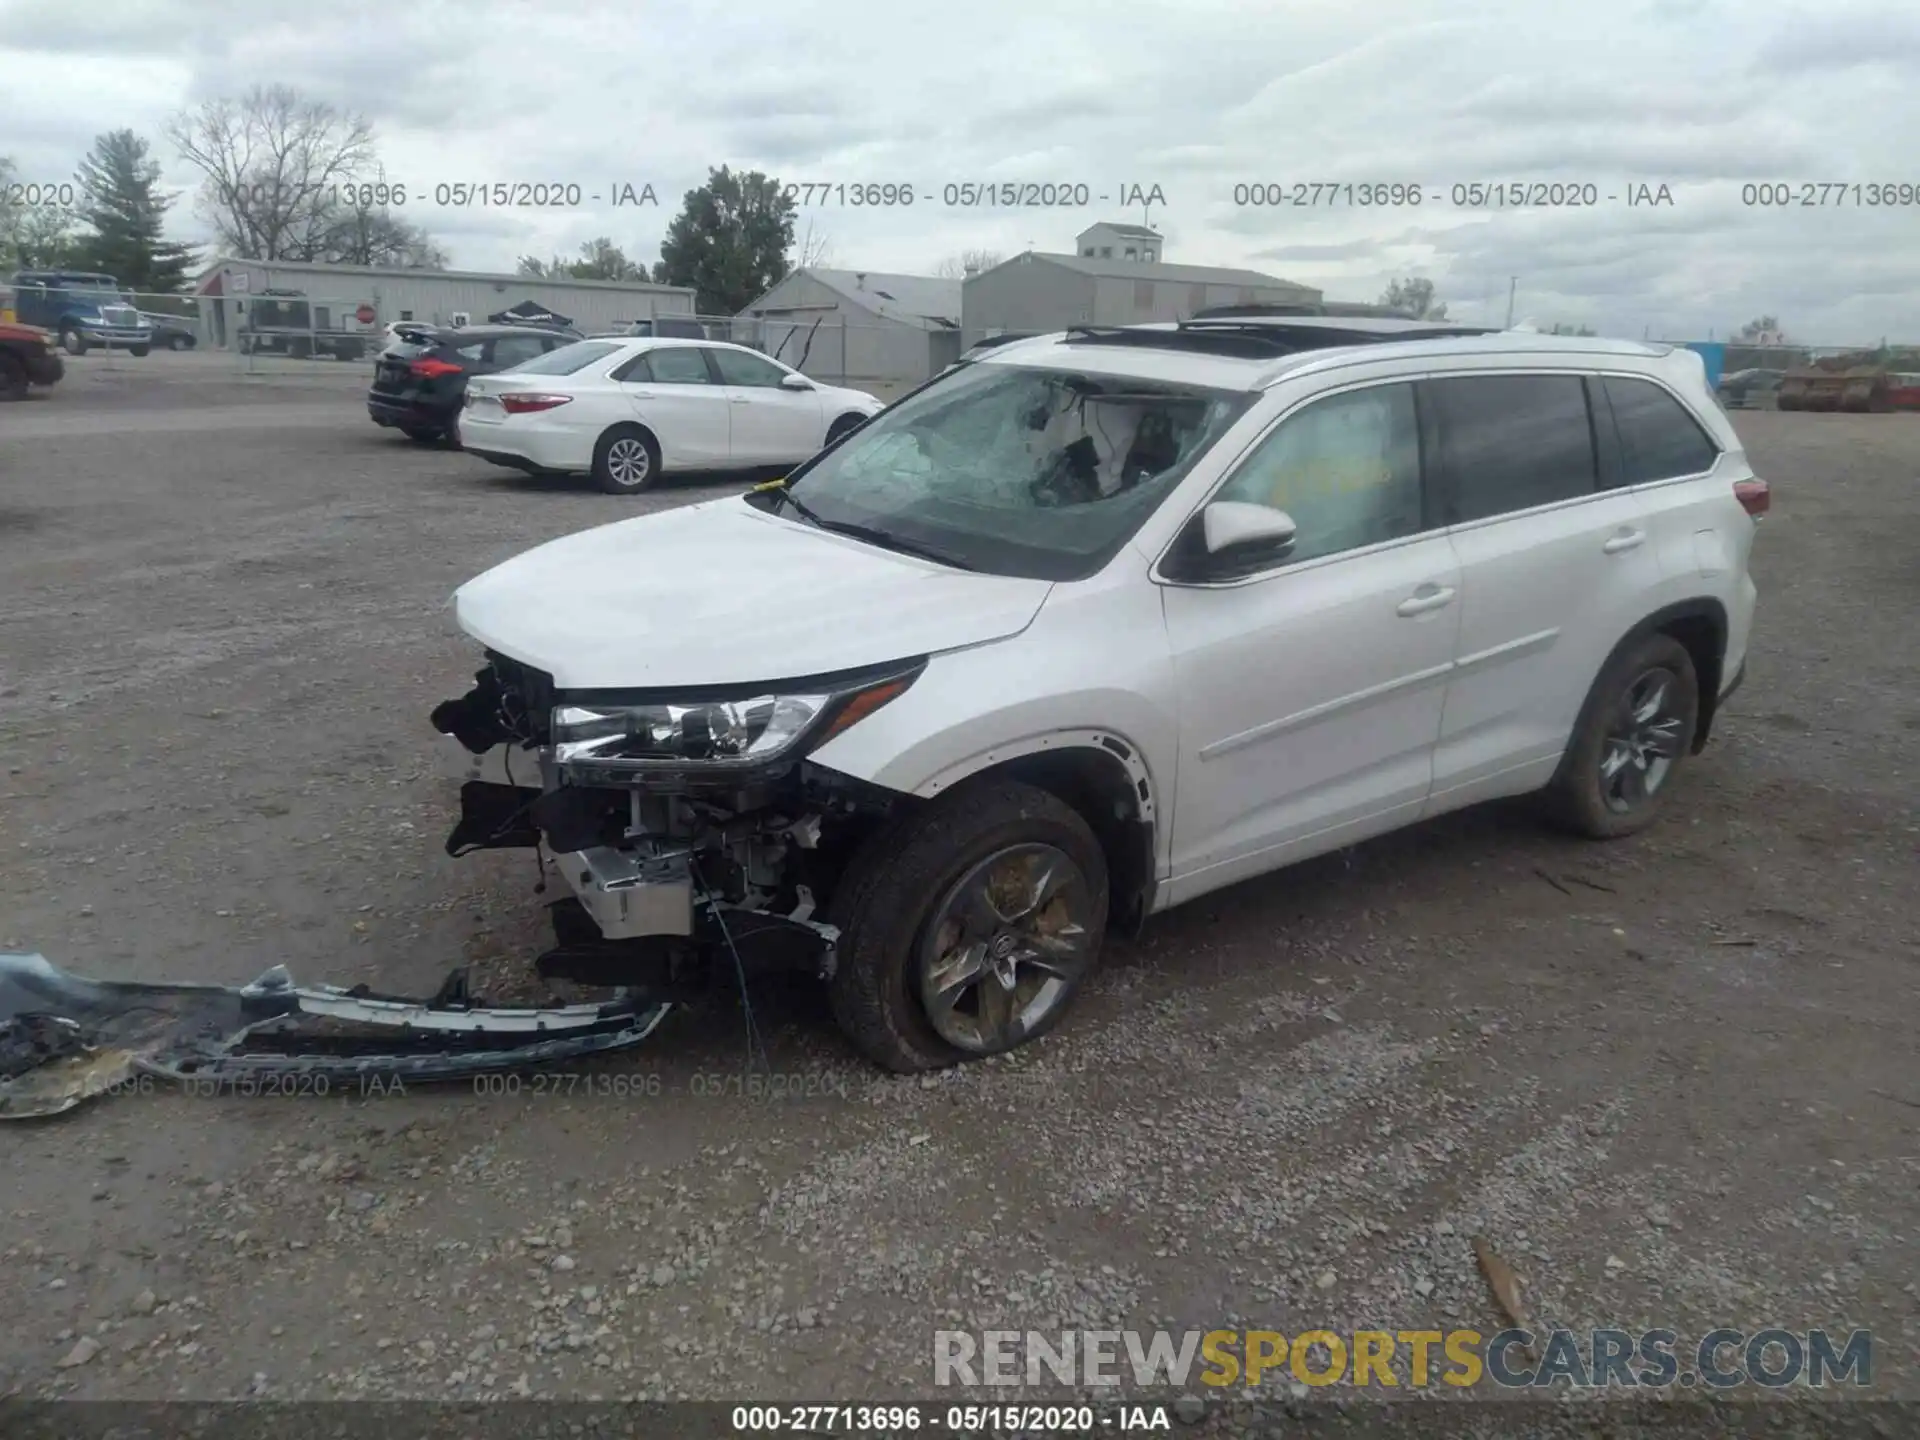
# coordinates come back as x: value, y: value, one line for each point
x: 65, y: 1039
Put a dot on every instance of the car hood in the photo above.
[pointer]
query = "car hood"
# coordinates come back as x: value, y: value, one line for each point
x: 722, y: 594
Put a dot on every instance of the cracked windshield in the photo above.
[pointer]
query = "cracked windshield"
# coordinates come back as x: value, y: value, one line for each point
x: 1018, y: 469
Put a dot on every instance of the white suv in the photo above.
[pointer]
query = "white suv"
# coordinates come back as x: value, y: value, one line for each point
x: 1091, y: 626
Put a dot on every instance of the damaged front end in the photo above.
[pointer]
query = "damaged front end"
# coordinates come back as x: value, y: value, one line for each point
x: 698, y: 841
x: 65, y: 1039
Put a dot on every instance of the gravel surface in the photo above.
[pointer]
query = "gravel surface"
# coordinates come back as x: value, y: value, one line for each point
x: 1672, y: 1080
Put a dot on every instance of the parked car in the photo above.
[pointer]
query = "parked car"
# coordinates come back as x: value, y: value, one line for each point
x: 420, y: 379
x: 27, y: 358
x: 626, y: 411
x: 1094, y: 626
x: 84, y: 308
x: 1903, y: 390
x: 171, y: 332
x: 1745, y: 389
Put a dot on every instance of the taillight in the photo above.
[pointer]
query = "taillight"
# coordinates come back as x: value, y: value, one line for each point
x: 527, y: 404
x: 430, y: 368
x: 1754, y: 496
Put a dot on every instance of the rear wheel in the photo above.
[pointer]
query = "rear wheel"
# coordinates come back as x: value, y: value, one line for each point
x: 626, y: 461
x: 180, y: 342
x: 967, y: 928
x: 13, y: 377
x: 423, y: 434
x: 1634, y: 733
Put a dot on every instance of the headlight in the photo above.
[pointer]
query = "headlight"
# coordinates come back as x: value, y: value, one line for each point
x: 595, y: 742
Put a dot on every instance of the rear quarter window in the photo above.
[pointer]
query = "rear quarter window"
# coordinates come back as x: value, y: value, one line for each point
x: 1659, y: 439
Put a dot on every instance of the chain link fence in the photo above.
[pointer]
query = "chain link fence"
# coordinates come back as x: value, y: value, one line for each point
x: 336, y: 338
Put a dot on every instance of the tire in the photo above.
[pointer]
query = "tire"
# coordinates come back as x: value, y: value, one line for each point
x: 897, y: 889
x: 180, y: 342
x: 13, y: 378
x: 1585, y: 801
x: 72, y: 341
x: 140, y: 352
x: 420, y: 435
x: 626, y: 461
x: 839, y: 428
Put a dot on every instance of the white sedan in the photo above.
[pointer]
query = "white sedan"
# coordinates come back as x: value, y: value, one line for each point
x: 627, y: 410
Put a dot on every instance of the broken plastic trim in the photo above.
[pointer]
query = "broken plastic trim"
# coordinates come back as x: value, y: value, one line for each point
x: 64, y: 1038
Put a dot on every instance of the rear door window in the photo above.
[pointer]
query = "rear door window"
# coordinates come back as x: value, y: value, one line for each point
x: 1510, y: 443
x: 1659, y: 440
x: 678, y: 365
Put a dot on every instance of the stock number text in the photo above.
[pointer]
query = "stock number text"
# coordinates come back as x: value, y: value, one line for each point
x: 1818, y: 194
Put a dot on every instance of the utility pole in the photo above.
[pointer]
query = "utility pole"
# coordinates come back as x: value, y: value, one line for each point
x: 1512, y: 283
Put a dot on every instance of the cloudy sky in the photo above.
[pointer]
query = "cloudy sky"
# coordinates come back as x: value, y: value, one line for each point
x: 1196, y: 97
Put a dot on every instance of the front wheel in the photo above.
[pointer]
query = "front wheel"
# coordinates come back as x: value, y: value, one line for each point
x: 180, y: 342
x: 72, y: 341
x: 967, y: 928
x: 1634, y: 733
x: 626, y: 461
x: 140, y: 351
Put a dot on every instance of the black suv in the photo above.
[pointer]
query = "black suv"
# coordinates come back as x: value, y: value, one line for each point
x: 420, y: 379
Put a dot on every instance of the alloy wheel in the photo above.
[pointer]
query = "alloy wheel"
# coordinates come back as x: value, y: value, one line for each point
x: 1643, y: 742
x: 1004, y: 948
x: 628, y: 462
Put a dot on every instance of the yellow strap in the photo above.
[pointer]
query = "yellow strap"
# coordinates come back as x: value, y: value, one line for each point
x: 769, y: 485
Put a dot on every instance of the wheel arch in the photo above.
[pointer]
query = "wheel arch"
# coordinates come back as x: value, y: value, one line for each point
x: 1700, y: 625
x: 640, y: 426
x: 1104, y: 777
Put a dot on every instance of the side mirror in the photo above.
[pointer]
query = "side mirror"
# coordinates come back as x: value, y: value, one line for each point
x: 1229, y: 539
x: 795, y: 382
x: 1234, y: 524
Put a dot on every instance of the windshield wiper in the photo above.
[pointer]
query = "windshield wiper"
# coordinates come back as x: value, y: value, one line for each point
x: 872, y: 534
x: 887, y: 540
x: 782, y: 494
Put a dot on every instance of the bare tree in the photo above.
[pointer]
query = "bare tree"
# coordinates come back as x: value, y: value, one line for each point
x: 815, y: 248
x: 274, y: 165
x: 957, y: 267
x: 364, y: 230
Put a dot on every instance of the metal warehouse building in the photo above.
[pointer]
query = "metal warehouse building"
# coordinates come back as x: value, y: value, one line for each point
x: 883, y: 333
x: 335, y: 293
x: 1037, y: 292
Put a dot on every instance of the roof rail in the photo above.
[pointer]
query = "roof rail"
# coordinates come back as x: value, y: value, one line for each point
x: 1244, y: 342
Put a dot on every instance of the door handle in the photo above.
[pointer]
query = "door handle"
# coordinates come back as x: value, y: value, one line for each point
x: 640, y: 395
x: 1625, y: 540
x: 1426, y: 598
x: 741, y: 400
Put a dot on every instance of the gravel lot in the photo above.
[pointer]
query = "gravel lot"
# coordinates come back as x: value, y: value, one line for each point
x: 1672, y: 1080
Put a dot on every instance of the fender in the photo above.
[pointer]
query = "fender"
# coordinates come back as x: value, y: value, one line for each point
x: 1700, y: 624
x: 1118, y: 746
x: 1106, y: 778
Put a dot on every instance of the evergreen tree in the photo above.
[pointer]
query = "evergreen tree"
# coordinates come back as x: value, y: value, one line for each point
x: 125, y: 214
